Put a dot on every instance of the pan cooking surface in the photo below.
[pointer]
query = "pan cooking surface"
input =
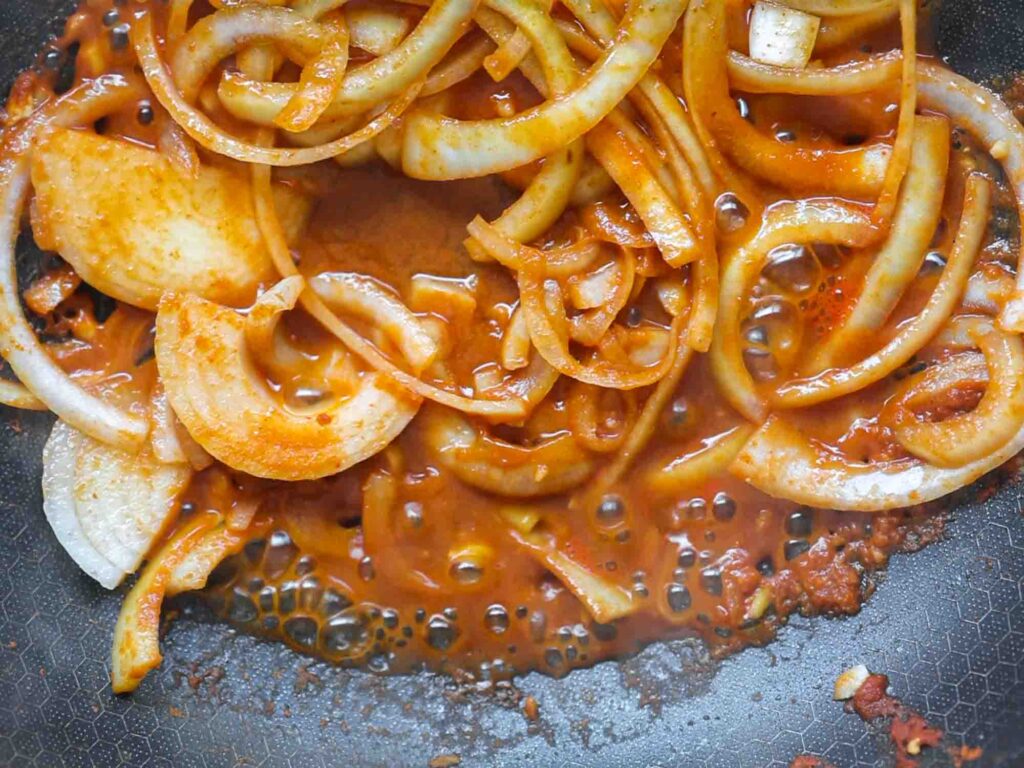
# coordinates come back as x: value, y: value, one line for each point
x: 946, y: 625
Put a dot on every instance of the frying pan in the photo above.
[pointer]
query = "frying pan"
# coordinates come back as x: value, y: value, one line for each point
x: 946, y: 625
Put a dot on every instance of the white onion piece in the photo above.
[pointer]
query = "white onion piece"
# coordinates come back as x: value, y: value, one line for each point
x: 222, y: 401
x: 876, y: 71
x: 810, y: 221
x: 898, y: 261
x: 783, y: 462
x: 133, y: 226
x: 365, y: 297
x: 515, y: 342
x: 969, y: 437
x: 689, y: 472
x: 781, y: 36
x: 438, y: 147
x: 991, y: 121
x: 552, y: 465
x: 376, y: 30
x: 988, y: 289
x: 60, y: 508
x: 136, y: 647
x: 206, y: 553
x: 912, y: 336
x: 15, y: 395
x: 376, y: 81
x: 839, y: 7
x: 18, y: 343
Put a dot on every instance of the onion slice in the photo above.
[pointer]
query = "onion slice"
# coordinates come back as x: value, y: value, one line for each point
x: 18, y: 343
x: 970, y: 437
x: 783, y: 462
x: 899, y: 260
x: 876, y: 71
x: 687, y: 473
x: 782, y: 36
x: 991, y: 121
x: 915, y: 334
x: 14, y: 395
x: 178, y: 233
x: 219, y: 397
x: 809, y: 221
x: 438, y: 147
x: 553, y: 465
x: 839, y: 7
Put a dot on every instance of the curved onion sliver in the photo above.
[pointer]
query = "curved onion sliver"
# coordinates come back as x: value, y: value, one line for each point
x: 106, y: 500
x: 217, y: 394
x: 852, y: 77
x: 899, y: 260
x: 459, y: 66
x: 969, y: 437
x: 688, y: 473
x: 363, y: 296
x: 18, y: 343
x: 220, y: 34
x: 136, y: 648
x: 807, y: 222
x: 178, y: 232
x: 783, y: 462
x: 14, y: 395
x: 319, y: 82
x: 212, y: 137
x: 988, y: 289
x: 554, y: 464
x: 169, y: 441
x: 839, y: 7
x: 991, y: 121
x: 556, y: 262
x: 438, y: 147
x: 206, y: 553
x: 915, y: 334
x: 381, y: 79
x: 59, y: 506
x: 583, y: 407
x: 849, y: 172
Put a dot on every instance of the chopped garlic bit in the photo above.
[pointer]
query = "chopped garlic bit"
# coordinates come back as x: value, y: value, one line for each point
x: 782, y: 36
x: 848, y: 683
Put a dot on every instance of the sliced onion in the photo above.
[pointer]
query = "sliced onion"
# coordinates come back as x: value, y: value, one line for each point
x: 215, y: 139
x: 219, y: 397
x: 14, y: 395
x: 376, y: 30
x: 218, y: 35
x: 810, y: 221
x: 782, y: 36
x: 458, y: 67
x: 876, y: 71
x: 556, y: 262
x: 688, y: 473
x: 319, y: 82
x: 59, y: 506
x: 970, y: 437
x: 18, y: 343
x: 988, y: 289
x: 664, y: 221
x: 899, y: 260
x: 363, y: 296
x: 553, y: 465
x: 992, y: 122
x: 912, y: 336
x: 584, y: 409
x: 839, y: 7
x: 438, y: 147
x: 179, y: 233
x: 515, y: 342
x: 169, y: 441
x: 107, y: 505
x: 838, y: 32
x: 136, y: 648
x: 783, y: 462
x: 603, y: 599
x: 857, y: 172
x: 384, y: 78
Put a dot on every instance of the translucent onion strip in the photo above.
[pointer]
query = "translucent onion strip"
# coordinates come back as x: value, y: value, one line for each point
x: 369, y: 84
x: 554, y: 464
x: 857, y: 172
x: 783, y: 462
x: 839, y: 7
x: 912, y: 336
x: 992, y: 122
x: 15, y: 395
x: 971, y: 436
x: 876, y: 71
x: 555, y: 262
x: 319, y: 82
x: 19, y: 345
x: 899, y: 260
x: 801, y: 222
x: 215, y: 139
x: 438, y: 147
x: 688, y: 473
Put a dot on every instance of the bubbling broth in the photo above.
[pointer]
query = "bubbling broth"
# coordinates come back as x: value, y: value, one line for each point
x: 423, y: 355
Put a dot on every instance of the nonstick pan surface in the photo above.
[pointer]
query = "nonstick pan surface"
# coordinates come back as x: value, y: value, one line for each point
x: 946, y: 625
